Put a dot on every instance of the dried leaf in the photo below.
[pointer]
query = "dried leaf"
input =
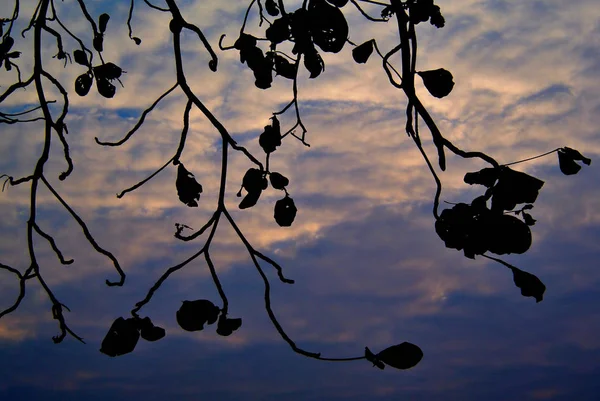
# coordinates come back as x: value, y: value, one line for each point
x: 285, y: 211
x: 401, y: 356
x: 122, y: 337
x: 81, y: 58
x: 438, y: 82
x: 278, y: 181
x: 188, y: 189
x: 83, y: 83
x: 192, y: 315
x: 361, y: 53
x: 102, y: 22
x: 530, y: 285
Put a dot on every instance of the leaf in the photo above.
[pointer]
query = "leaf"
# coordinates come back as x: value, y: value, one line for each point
x: 313, y: 63
x: 514, y: 187
x: 102, y: 22
x: 567, y: 158
x: 108, y: 71
x: 278, y: 181
x: 83, y: 83
x: 530, y: 285
x: 285, y: 211
x: 270, y: 139
x: 438, y: 82
x: 283, y: 67
x: 437, y: 19
x: 361, y: 53
x: 271, y: 8
x: 188, y: 189
x: 105, y: 88
x: 227, y: 326
x: 250, y: 199
x: 81, y: 58
x: 507, y: 234
x: 192, y: 315
x: 328, y: 26
x: 254, y: 180
x: 98, y: 42
x: 6, y: 45
x: 137, y: 40
x: 279, y: 31
x: 154, y: 333
x: 401, y: 356
x: 486, y: 177
x: 122, y: 337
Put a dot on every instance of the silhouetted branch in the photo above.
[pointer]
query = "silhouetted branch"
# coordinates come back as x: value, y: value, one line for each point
x: 52, y: 244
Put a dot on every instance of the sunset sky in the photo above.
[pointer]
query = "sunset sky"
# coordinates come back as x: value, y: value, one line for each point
x: 368, y: 266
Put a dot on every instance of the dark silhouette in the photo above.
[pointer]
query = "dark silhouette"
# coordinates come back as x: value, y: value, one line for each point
x: 496, y: 222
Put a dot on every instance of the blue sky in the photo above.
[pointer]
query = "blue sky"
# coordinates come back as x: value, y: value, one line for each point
x: 369, y: 267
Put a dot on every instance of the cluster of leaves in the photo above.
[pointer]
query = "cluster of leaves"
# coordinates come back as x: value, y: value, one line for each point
x: 123, y: 335
x: 320, y: 24
x: 193, y: 315
x: 6, y: 54
x: 103, y: 73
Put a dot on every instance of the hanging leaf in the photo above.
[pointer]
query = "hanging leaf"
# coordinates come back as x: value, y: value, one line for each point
x: 154, y: 333
x: 271, y: 8
x: 530, y: 221
x: 313, y: 63
x: 486, y: 177
x: 567, y: 158
x: 105, y: 88
x: 122, y: 337
x: 254, y: 180
x: 81, y: 58
x: 283, y: 67
x: 108, y: 71
x: 328, y: 26
x: 279, y: 31
x: 401, y: 356
x: 192, y: 315
x: 438, y: 82
x: 507, y: 234
x: 102, y: 22
x: 514, y: 187
x: 137, y: 40
x: 437, y: 19
x: 285, y: 211
x: 98, y: 42
x: 227, y: 326
x: 250, y: 200
x: 361, y: 53
x: 188, y: 189
x: 278, y: 181
x: 83, y: 83
x: 270, y: 139
x: 530, y: 285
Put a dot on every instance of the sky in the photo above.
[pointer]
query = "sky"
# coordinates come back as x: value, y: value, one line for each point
x: 368, y: 266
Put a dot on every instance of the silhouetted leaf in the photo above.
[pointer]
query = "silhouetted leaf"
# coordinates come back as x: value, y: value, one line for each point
x: 192, y: 315
x: 98, y: 42
x: 245, y: 41
x: 279, y: 31
x: 83, y: 83
x: 6, y: 45
x: 507, y: 234
x: 188, y: 189
x: 122, y: 337
x: 105, y: 88
x: 285, y: 211
x: 530, y: 285
x: 102, y: 22
x: 328, y: 26
x: 254, y: 180
x: 81, y: 58
x: 486, y: 177
x: 270, y: 139
x: 313, y: 63
x: 137, y: 40
x: 278, y: 181
x: 283, y: 67
x: 250, y: 199
x: 338, y: 3
x: 272, y: 8
x: 401, y: 356
x: 361, y: 53
x: 227, y: 326
x: 567, y: 158
x: 108, y: 71
x: 153, y: 333
x: 437, y: 19
x: 438, y: 82
x: 299, y: 25
x: 514, y: 187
